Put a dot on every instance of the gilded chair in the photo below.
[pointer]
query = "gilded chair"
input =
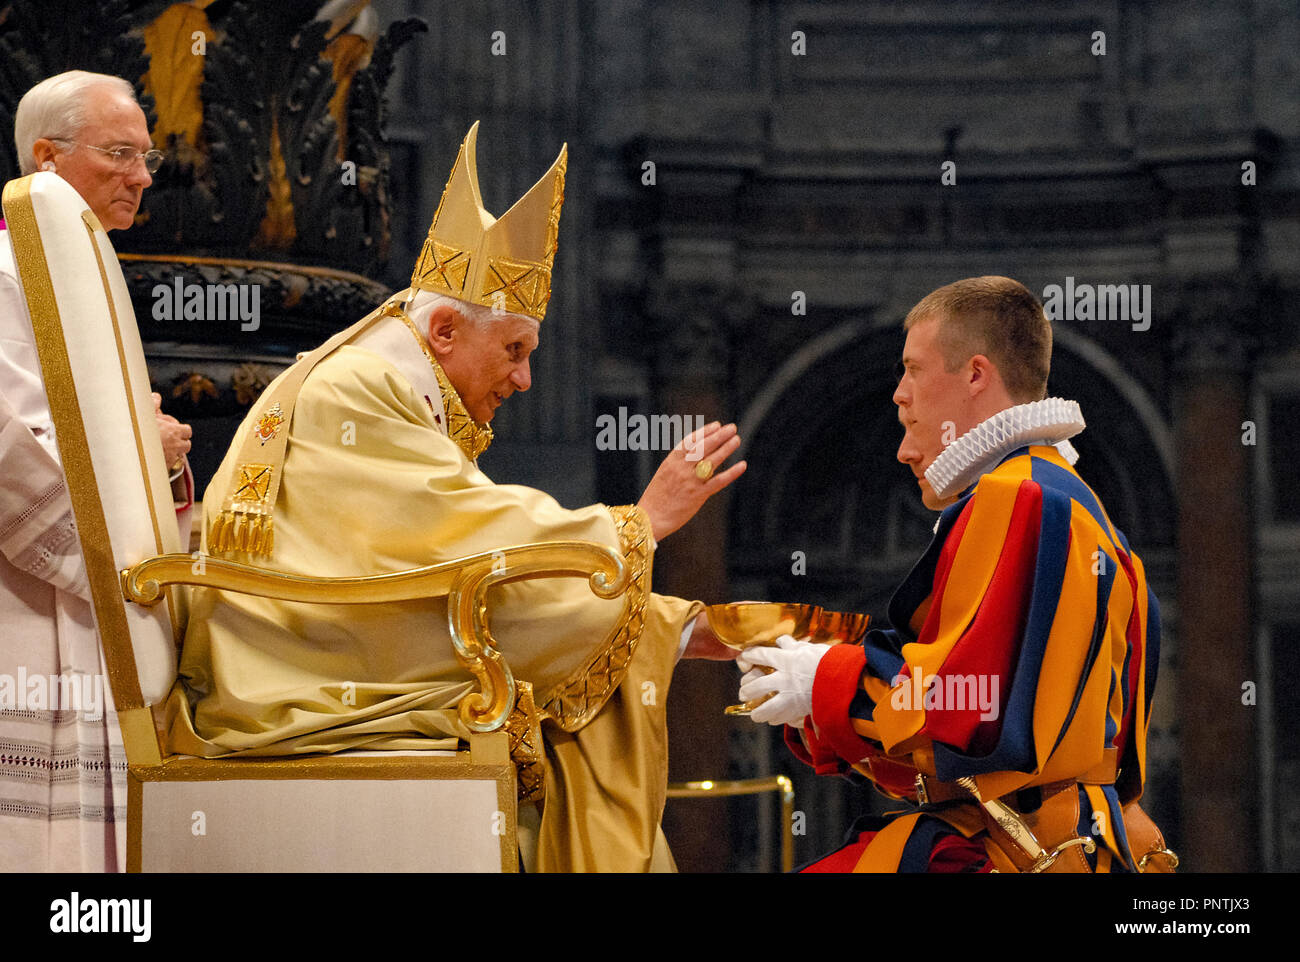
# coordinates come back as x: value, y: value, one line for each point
x: 351, y: 811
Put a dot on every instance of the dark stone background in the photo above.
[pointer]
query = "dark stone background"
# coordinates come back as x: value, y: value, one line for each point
x: 820, y: 173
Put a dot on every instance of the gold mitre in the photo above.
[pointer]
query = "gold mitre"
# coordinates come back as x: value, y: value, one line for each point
x: 497, y: 262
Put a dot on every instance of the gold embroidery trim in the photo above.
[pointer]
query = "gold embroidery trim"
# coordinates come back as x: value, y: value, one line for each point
x: 245, y: 523
x: 517, y: 287
x: 470, y: 436
x: 524, y: 729
x: 427, y: 266
x: 553, y: 220
x: 575, y: 701
x: 442, y: 268
x: 254, y: 481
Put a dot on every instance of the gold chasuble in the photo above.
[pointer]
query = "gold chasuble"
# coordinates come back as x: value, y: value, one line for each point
x: 373, y: 483
x: 361, y: 459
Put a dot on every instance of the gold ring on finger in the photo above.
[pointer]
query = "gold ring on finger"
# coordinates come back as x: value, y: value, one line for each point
x: 704, y: 470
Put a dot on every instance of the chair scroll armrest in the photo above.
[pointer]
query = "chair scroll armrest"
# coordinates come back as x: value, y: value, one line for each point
x: 465, y: 582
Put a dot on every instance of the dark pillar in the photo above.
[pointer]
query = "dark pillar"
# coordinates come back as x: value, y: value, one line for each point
x: 691, y: 379
x: 1218, y: 734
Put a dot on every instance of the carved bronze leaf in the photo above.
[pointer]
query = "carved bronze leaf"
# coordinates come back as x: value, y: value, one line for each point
x: 176, y: 71
x: 249, y: 381
x: 196, y: 385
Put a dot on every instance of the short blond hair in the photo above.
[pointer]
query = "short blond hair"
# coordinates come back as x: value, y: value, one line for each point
x: 999, y: 318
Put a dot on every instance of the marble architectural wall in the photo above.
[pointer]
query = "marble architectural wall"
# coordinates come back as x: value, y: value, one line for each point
x: 800, y: 147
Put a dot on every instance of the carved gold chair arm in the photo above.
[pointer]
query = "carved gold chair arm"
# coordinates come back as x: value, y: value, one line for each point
x: 749, y: 786
x: 465, y: 582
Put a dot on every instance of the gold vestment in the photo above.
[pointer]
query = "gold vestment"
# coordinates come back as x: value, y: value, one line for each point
x: 373, y: 484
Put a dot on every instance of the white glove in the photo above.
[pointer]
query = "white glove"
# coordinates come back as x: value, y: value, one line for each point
x: 791, y: 682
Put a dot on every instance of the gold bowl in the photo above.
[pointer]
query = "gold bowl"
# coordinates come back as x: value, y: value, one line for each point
x: 745, y: 624
x: 751, y: 624
x: 837, y: 627
x: 748, y: 624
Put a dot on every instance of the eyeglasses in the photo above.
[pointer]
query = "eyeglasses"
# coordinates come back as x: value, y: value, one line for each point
x: 124, y: 158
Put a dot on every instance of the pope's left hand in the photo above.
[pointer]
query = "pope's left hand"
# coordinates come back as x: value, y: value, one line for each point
x: 794, y: 666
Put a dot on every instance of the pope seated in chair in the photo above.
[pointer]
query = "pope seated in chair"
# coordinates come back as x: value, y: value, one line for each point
x: 362, y: 459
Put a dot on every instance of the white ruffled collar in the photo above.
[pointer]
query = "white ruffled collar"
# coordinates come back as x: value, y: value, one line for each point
x: 1050, y: 421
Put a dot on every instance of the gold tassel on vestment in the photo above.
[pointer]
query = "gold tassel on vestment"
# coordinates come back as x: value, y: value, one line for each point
x: 241, y: 528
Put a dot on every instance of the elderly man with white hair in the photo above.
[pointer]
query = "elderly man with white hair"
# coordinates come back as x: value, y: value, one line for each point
x: 62, y: 768
x: 362, y: 458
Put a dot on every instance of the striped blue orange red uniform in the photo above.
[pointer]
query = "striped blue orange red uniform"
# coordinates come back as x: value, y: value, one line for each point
x: 1022, y: 652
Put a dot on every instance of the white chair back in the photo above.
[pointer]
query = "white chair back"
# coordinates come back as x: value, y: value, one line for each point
x: 98, y: 388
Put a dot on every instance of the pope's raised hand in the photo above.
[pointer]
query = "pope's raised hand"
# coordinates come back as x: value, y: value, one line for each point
x: 793, y: 667
x: 689, y: 476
